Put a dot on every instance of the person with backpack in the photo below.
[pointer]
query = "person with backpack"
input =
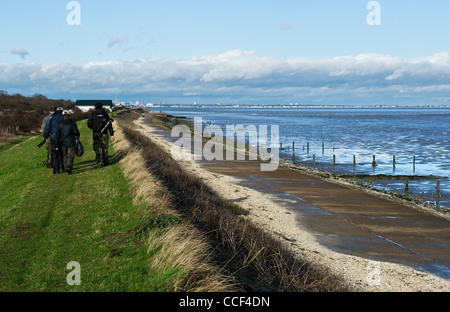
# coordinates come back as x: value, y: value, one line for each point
x: 50, y: 133
x: 101, y: 124
x: 67, y: 135
x: 47, y: 141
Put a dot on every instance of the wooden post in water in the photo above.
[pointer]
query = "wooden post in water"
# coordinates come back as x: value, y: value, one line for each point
x: 414, y: 163
x: 307, y: 147
x: 334, y: 160
x: 293, y: 146
x: 354, y: 160
x: 438, y: 189
x: 314, y: 159
x: 281, y: 146
x: 393, y: 161
x: 406, y: 188
x: 323, y: 148
x: 374, y: 162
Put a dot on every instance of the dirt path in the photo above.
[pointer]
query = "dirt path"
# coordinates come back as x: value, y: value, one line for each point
x: 373, y: 243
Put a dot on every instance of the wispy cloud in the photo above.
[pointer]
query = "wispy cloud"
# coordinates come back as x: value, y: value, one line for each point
x: 239, y: 75
x: 113, y: 42
x: 285, y: 26
x: 20, y: 52
x: 117, y: 41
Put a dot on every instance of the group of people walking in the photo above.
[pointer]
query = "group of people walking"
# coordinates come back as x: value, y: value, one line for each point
x: 62, y: 135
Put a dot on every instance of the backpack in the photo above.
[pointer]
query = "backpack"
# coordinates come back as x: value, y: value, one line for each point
x: 106, y: 123
x: 79, y: 149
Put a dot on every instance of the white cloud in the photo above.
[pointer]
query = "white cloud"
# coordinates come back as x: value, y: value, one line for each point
x: 398, y: 73
x: 236, y: 75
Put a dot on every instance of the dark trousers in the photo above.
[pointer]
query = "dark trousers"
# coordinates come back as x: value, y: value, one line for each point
x: 57, y: 158
x: 101, y: 150
x: 68, y: 157
x: 49, y: 153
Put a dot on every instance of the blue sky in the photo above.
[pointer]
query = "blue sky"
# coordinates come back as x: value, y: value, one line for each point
x: 231, y: 51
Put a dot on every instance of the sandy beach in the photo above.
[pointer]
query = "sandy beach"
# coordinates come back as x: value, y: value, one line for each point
x: 292, y: 228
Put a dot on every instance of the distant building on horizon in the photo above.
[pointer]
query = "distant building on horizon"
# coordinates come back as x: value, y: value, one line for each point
x: 86, y: 105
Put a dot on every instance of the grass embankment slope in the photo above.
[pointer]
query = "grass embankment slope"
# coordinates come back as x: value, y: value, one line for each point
x: 94, y: 217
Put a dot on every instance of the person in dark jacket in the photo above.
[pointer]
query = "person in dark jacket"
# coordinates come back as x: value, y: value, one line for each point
x: 101, y: 123
x: 48, y: 144
x: 50, y: 133
x: 66, y: 137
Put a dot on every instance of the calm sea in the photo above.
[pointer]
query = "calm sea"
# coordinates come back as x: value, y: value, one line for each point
x: 344, y: 133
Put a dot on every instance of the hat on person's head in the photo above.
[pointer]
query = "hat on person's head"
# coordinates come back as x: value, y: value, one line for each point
x: 60, y: 109
x: 66, y: 112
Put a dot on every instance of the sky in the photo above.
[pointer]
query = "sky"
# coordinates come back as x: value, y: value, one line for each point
x: 248, y: 51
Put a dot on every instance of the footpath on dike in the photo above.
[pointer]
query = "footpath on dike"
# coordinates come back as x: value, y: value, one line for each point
x: 374, y: 243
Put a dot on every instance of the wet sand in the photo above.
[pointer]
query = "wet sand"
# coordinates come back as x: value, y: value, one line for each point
x: 373, y: 243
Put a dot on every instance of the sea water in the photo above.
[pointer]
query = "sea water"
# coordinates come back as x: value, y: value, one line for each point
x: 348, y: 134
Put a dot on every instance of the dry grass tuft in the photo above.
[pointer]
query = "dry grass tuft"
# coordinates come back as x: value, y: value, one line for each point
x: 176, y: 249
x: 182, y: 250
x: 145, y: 187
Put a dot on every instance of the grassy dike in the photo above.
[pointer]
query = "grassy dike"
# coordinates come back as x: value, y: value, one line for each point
x: 123, y: 238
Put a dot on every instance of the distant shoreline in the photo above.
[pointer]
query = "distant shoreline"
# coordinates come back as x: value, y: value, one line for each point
x: 284, y: 106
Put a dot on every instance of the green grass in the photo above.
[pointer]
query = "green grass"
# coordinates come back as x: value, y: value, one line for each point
x: 47, y: 221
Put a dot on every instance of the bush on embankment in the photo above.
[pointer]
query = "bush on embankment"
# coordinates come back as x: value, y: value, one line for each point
x: 21, y: 114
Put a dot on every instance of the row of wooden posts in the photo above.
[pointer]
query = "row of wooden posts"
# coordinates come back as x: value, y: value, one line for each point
x: 438, y: 189
x: 374, y: 161
x: 374, y: 164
